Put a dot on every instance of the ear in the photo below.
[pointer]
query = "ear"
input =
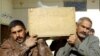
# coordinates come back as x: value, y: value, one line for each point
x: 27, y: 33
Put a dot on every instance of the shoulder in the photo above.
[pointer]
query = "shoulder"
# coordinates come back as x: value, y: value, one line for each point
x: 93, y: 38
x: 6, y: 44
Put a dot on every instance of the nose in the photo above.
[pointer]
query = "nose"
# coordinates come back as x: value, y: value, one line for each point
x: 85, y: 30
x: 17, y: 34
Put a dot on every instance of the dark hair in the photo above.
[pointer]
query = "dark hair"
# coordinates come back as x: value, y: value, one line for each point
x: 92, y: 30
x: 16, y: 22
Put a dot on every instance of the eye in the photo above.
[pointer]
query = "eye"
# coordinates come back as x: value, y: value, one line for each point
x: 88, y: 28
x: 83, y: 26
x: 13, y: 32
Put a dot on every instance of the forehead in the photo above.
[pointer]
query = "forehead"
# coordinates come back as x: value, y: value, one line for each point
x: 16, y: 28
x: 86, y: 23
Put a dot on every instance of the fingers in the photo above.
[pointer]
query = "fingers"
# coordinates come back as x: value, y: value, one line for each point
x: 31, y: 41
x: 69, y: 41
x: 33, y: 36
x: 41, y: 41
x: 72, y: 39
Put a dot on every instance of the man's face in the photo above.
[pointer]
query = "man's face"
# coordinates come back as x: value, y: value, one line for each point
x: 83, y: 28
x: 18, y: 33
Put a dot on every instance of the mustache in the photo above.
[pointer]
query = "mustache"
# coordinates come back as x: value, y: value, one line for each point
x: 84, y: 33
x: 19, y: 38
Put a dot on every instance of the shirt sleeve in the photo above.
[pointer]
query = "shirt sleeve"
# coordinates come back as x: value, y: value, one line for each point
x: 90, y: 47
x: 64, y: 51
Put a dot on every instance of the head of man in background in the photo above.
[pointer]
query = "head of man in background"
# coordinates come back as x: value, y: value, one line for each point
x: 92, y: 32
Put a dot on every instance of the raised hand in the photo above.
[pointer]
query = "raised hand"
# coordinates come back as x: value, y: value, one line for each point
x: 31, y: 41
x: 72, y: 39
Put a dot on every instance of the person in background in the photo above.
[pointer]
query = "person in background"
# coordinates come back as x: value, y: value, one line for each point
x: 92, y: 32
x: 81, y: 43
x: 20, y: 43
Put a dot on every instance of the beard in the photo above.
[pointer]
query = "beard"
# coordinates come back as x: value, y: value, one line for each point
x: 82, y: 35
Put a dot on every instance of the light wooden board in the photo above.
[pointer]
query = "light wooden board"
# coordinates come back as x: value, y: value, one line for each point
x: 48, y: 22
